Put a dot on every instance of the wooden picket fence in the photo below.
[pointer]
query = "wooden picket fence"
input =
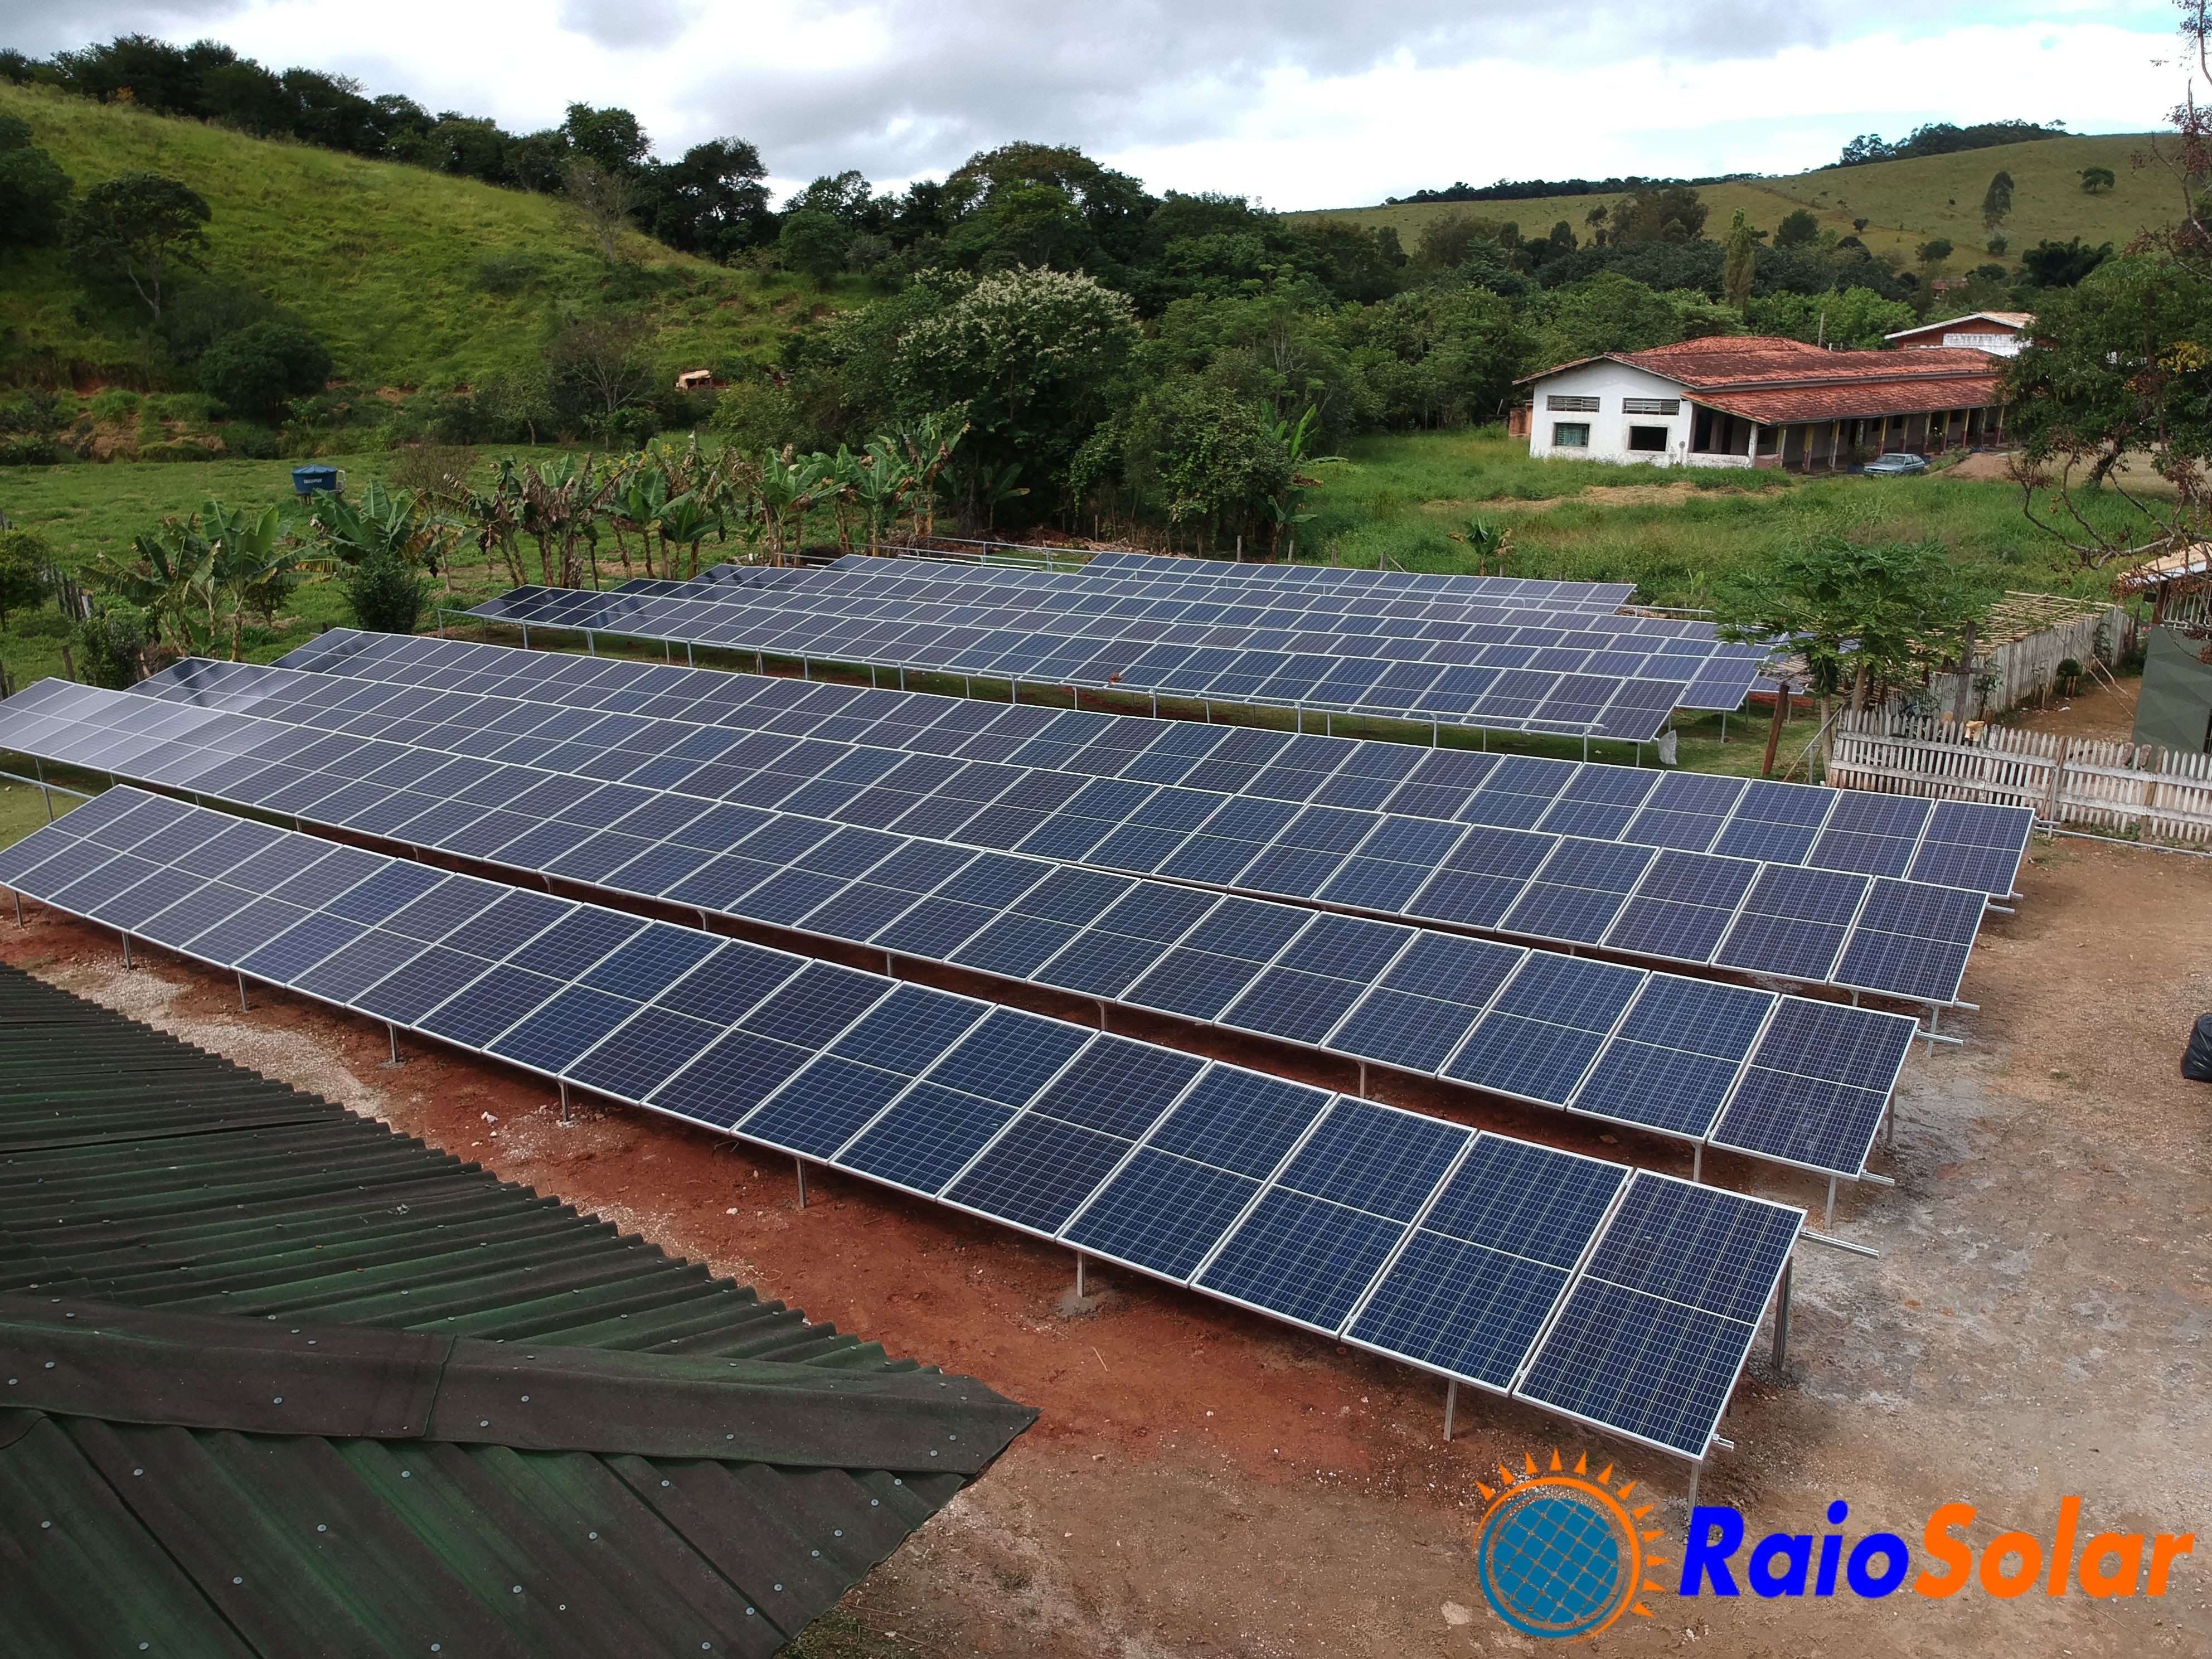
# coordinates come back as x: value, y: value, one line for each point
x: 2157, y: 793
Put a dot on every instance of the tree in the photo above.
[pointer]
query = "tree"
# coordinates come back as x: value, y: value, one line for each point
x: 2120, y: 369
x: 517, y: 396
x: 1799, y: 228
x: 1030, y: 355
x: 1737, y: 263
x: 813, y: 243
x: 610, y: 138
x: 385, y: 596
x: 2063, y: 265
x: 25, y: 559
x: 605, y: 199
x: 1659, y: 213
x: 257, y: 369
x: 1859, y: 614
x: 1842, y: 317
x: 1935, y: 251
x: 2096, y: 179
x: 33, y: 189
x: 139, y: 226
x: 713, y: 201
x: 1997, y: 201
x: 603, y: 369
x: 111, y: 645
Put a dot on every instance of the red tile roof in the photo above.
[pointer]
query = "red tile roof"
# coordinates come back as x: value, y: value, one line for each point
x: 1772, y: 380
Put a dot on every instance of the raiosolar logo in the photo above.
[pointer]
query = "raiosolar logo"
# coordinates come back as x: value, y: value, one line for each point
x: 1560, y: 1551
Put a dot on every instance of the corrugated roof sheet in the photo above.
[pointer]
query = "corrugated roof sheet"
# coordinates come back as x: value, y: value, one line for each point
x: 262, y: 1375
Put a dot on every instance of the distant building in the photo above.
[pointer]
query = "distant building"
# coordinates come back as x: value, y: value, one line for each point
x: 1728, y: 401
x: 2000, y: 333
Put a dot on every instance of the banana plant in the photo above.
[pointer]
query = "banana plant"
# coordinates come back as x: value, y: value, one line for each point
x: 1282, y: 509
x: 685, y: 521
x: 928, y: 444
x: 1487, y: 541
x: 882, y: 481
x: 257, y: 563
x: 788, y: 490
x: 390, y: 522
x: 638, y: 502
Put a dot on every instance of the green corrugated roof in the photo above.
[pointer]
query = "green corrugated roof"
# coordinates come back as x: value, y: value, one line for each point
x: 265, y: 1367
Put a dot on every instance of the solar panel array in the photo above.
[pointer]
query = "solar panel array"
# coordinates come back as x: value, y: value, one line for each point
x: 1406, y: 625
x: 1605, y: 597
x: 1665, y: 904
x: 1646, y: 1050
x: 1566, y: 704
x: 1947, y: 844
x: 1627, y: 1300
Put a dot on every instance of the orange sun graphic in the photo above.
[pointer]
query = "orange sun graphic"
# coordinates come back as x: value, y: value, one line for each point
x: 1560, y: 1552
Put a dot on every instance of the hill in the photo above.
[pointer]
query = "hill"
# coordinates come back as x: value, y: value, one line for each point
x: 412, y: 278
x: 1906, y: 202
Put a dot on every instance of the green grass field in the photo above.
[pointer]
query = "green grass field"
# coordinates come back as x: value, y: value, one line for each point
x: 1908, y: 203
x: 384, y: 263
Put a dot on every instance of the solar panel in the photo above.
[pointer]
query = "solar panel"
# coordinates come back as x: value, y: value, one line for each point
x: 1443, y: 783
x: 1482, y: 877
x: 1674, y: 1290
x: 1103, y: 934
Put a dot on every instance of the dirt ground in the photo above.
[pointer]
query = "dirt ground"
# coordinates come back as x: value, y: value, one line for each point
x: 1202, y: 1482
x: 2100, y: 714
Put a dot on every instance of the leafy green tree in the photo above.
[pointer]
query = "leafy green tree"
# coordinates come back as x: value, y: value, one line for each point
x: 140, y: 227
x: 713, y: 201
x: 110, y: 646
x: 1859, y: 614
x: 1935, y: 252
x: 2063, y: 265
x: 34, y: 191
x: 1031, y: 356
x: 1842, y: 317
x: 1211, y: 460
x: 257, y: 369
x: 600, y: 375
x: 2096, y: 179
x: 1800, y: 227
x: 1997, y: 201
x: 1612, y: 313
x: 813, y: 243
x: 1659, y: 213
x: 1737, y: 263
x: 25, y: 560
x: 2120, y: 368
x: 385, y: 596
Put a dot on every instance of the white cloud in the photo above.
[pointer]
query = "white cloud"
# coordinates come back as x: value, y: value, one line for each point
x: 1303, y: 102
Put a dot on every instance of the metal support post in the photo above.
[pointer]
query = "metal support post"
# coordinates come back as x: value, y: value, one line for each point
x: 1782, y: 1316
x: 394, y: 1030
x: 564, y: 1100
x: 668, y: 650
x: 800, y: 1163
x: 1889, y: 1125
x: 244, y: 1007
x: 525, y: 636
x: 1363, y: 1095
x: 19, y: 909
x: 1697, y: 1468
x: 1698, y: 1162
x: 1081, y: 1289
x: 591, y: 643
x: 1830, y: 1223
x: 127, y: 963
x: 687, y: 654
x: 1451, y: 1404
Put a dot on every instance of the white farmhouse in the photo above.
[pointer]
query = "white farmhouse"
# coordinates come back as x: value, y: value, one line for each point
x: 1730, y: 401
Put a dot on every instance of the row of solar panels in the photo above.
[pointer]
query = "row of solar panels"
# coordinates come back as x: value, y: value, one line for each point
x: 1427, y: 694
x: 1178, y: 629
x: 1353, y: 603
x: 1248, y: 605
x: 1593, y: 596
x: 1626, y: 1301
x: 1893, y: 938
x: 1966, y: 844
x: 1793, y: 1081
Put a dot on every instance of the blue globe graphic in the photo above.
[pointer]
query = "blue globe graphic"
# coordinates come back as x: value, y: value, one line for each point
x: 1551, y: 1561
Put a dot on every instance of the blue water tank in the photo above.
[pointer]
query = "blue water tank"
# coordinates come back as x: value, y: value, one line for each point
x: 312, y: 480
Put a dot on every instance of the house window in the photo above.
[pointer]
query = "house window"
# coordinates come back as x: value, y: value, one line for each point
x: 1570, y: 435
x: 1579, y: 405
x: 1651, y: 405
x: 1647, y: 437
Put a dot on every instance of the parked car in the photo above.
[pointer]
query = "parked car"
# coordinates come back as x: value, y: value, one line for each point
x: 1896, y: 466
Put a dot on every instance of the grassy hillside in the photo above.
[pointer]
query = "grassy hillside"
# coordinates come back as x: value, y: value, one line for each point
x: 1908, y: 203
x: 412, y: 279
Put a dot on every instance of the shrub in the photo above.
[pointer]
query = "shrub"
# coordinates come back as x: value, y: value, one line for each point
x: 107, y: 647
x: 25, y: 558
x: 260, y: 367
x: 386, y: 597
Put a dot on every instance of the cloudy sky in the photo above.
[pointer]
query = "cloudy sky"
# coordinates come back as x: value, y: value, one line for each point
x: 1301, y: 103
